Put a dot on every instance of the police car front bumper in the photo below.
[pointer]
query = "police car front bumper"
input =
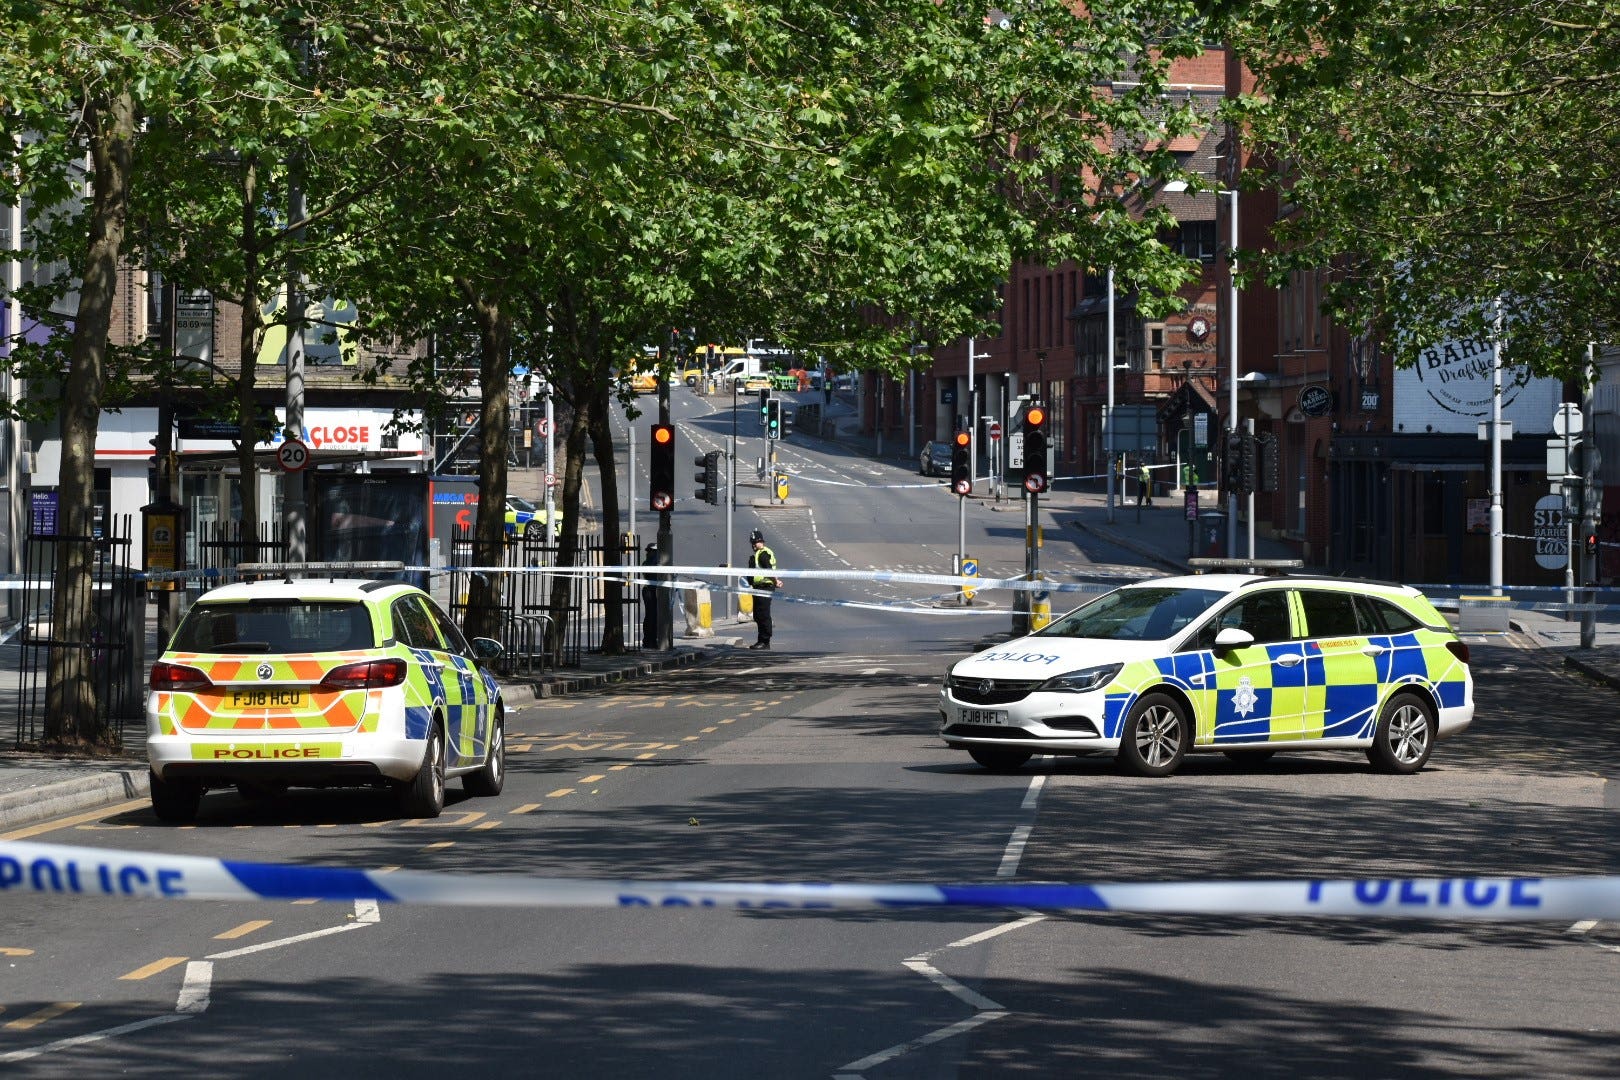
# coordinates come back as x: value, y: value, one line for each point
x: 1053, y: 721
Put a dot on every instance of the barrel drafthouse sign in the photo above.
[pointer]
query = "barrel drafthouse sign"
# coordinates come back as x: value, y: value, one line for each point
x: 1452, y: 386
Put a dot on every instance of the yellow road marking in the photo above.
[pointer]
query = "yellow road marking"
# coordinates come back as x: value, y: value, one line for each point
x: 440, y: 844
x: 527, y: 808
x: 644, y: 757
x: 312, y: 901
x: 7, y: 951
x: 559, y: 793
x: 78, y: 819
x: 462, y: 817
x: 591, y: 779
x: 49, y: 1012
x: 153, y: 968
x: 242, y: 931
x: 731, y: 721
x: 710, y: 730
x: 690, y: 738
x: 616, y: 768
x: 485, y: 825
x: 521, y: 748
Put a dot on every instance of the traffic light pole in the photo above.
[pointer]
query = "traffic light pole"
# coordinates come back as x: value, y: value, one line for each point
x: 666, y: 536
x: 1248, y: 428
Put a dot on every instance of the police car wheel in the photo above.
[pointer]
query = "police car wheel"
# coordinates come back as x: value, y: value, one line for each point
x: 423, y: 795
x: 1406, y: 734
x: 1249, y: 758
x: 528, y: 529
x: 174, y: 800
x: 491, y: 776
x: 1156, y: 737
x: 998, y: 760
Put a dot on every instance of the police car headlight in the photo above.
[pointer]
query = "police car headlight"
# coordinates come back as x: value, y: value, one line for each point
x: 1074, y: 682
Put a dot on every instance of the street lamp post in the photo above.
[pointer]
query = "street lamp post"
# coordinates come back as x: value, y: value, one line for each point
x: 1108, y: 409
x: 1232, y: 379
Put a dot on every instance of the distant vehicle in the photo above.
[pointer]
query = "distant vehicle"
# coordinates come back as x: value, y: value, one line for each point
x: 1226, y: 663
x: 846, y: 381
x: 338, y: 682
x: 525, y: 519
x: 935, y: 459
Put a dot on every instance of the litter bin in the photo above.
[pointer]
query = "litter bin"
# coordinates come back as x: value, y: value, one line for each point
x: 1209, y: 535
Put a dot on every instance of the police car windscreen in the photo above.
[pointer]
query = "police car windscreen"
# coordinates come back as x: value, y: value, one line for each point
x: 1135, y: 614
x: 275, y: 626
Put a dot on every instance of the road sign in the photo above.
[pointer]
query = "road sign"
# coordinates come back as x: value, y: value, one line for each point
x: 551, y: 479
x: 995, y: 431
x: 1568, y: 420
x: 1552, y: 545
x: 292, y: 455
x: 970, y: 570
x: 541, y: 427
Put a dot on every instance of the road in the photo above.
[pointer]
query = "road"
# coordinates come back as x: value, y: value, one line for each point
x: 819, y: 762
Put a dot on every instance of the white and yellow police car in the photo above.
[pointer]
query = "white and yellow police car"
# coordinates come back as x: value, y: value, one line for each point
x: 1231, y: 663
x: 292, y: 683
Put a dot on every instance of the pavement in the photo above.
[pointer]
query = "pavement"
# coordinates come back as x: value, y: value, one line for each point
x: 35, y: 786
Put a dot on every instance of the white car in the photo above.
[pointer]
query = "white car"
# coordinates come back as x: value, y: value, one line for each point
x: 1226, y: 663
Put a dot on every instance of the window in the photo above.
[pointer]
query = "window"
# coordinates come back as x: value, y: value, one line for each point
x: 412, y: 626
x: 275, y: 626
x: 1383, y: 617
x: 1156, y: 346
x: 1196, y: 240
x: 1330, y: 614
x: 1263, y: 614
x: 452, y: 633
x: 1134, y: 614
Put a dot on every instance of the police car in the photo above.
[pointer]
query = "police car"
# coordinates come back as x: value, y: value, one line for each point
x: 525, y: 519
x: 1230, y: 663
x: 274, y: 684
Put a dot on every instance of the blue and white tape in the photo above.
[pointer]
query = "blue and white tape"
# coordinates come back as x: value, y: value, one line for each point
x: 61, y: 870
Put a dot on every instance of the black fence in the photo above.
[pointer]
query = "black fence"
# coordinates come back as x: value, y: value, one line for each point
x: 221, y: 545
x: 113, y: 644
x: 526, y: 617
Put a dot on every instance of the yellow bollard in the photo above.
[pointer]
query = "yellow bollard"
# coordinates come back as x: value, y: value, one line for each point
x: 781, y: 486
x: 745, y: 604
x: 1040, y: 611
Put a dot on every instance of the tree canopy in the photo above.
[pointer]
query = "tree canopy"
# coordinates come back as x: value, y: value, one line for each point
x: 1442, y: 155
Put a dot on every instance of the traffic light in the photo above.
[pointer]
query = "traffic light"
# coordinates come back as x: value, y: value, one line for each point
x: 773, y: 418
x: 961, y: 463
x: 662, y: 466
x: 1267, y: 478
x: 1035, y: 478
x: 709, y: 476
x: 1240, y: 463
x: 1591, y: 544
x: 764, y: 404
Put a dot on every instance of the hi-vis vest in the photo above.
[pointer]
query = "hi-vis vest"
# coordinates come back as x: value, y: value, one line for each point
x: 754, y: 560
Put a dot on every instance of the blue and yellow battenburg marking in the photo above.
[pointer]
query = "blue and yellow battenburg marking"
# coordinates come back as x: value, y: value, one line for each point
x: 67, y: 872
x: 1293, y: 690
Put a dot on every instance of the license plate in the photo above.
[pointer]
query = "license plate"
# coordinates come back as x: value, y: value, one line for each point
x: 267, y: 698
x: 993, y: 717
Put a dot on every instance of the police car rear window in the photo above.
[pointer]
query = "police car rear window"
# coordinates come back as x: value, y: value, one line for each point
x: 275, y: 626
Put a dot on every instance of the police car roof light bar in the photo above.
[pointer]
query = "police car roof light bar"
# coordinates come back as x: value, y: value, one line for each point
x: 1272, y: 567
x: 318, y: 569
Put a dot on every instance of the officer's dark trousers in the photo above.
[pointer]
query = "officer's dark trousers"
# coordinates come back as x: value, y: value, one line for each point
x: 762, y: 616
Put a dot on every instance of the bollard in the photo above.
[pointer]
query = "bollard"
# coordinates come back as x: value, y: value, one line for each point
x: 1040, y: 611
x: 745, y: 606
x: 699, y: 612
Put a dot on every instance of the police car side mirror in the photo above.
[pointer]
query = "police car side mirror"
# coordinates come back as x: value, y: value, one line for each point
x: 1232, y: 638
x: 485, y: 648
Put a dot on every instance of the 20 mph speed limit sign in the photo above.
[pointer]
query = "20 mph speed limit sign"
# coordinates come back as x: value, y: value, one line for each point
x: 293, y: 455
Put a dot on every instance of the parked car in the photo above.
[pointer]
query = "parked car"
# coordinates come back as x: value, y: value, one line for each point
x: 1225, y: 663
x: 935, y: 459
x: 525, y: 519
x: 322, y: 683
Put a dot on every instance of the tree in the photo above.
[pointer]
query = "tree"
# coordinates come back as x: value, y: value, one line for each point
x: 1442, y: 156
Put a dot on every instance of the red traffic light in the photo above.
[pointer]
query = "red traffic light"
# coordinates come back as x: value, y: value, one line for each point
x: 963, y: 438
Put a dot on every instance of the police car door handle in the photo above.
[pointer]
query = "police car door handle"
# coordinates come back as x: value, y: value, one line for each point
x: 1290, y: 659
x: 1374, y: 650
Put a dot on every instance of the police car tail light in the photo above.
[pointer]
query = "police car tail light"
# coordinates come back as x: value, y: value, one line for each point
x: 1458, y: 649
x: 1087, y: 679
x: 167, y: 676
x: 366, y: 675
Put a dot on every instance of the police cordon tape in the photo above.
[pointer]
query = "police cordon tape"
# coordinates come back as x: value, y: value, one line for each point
x: 67, y: 871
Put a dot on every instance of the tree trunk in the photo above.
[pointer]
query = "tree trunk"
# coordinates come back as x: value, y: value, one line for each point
x: 72, y: 712
x: 613, y: 554
x: 249, y: 340
x: 568, y: 548
x: 489, y: 532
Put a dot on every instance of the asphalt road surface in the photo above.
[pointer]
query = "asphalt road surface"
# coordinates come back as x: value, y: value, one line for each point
x: 819, y: 762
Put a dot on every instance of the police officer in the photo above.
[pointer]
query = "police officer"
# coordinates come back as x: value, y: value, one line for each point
x: 1144, y: 485
x: 762, y: 559
x: 651, y: 608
